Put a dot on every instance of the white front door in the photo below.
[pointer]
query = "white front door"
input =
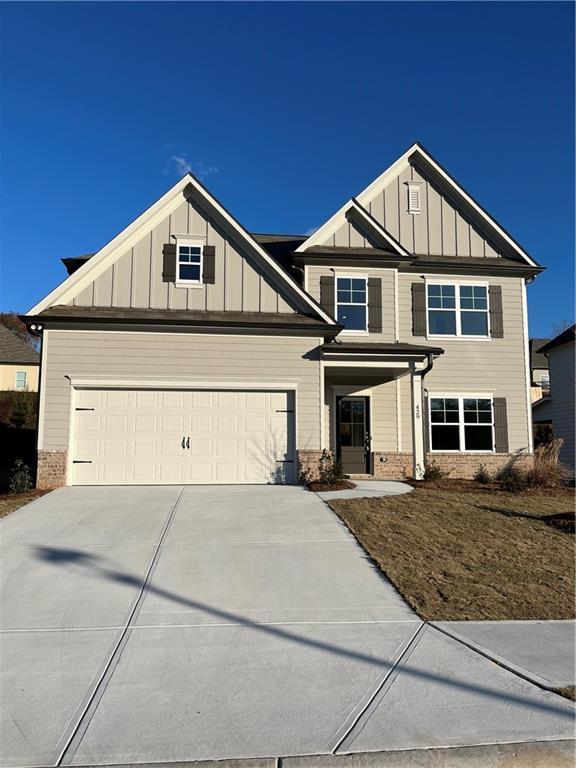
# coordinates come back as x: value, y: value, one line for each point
x: 148, y: 437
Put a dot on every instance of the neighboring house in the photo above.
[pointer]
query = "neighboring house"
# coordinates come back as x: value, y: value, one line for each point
x: 559, y: 407
x: 189, y: 350
x: 19, y: 363
x: 539, y: 376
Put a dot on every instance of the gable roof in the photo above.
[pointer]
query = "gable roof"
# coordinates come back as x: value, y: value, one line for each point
x: 96, y: 264
x: 15, y: 350
x: 563, y: 338
x: 418, y: 153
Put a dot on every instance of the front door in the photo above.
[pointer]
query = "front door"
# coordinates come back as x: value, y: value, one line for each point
x: 353, y: 434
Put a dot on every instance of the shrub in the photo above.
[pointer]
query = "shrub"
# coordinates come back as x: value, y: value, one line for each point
x: 20, y: 477
x: 482, y: 475
x: 329, y: 468
x: 547, y: 471
x: 433, y: 472
x: 18, y: 409
x: 512, y: 478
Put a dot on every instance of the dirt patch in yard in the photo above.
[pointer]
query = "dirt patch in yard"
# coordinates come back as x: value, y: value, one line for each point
x: 341, y: 485
x: 568, y: 693
x: 9, y: 502
x: 472, y: 556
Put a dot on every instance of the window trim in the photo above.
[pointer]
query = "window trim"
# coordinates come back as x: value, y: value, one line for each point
x: 16, y: 387
x: 461, y: 423
x: 345, y: 276
x: 186, y: 243
x: 457, y: 309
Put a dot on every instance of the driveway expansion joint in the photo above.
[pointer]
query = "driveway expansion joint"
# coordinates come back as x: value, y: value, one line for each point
x: 72, y: 741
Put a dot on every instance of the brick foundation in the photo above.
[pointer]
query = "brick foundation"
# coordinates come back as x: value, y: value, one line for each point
x: 463, y: 466
x: 392, y: 466
x: 308, y: 464
x: 51, y: 469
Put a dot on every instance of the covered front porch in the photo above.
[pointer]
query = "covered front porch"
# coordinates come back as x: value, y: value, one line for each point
x: 373, y: 407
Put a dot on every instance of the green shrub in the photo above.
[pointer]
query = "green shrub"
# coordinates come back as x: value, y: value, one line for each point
x: 482, y: 475
x: 329, y: 468
x: 512, y: 478
x: 18, y: 409
x: 433, y: 472
x: 20, y: 477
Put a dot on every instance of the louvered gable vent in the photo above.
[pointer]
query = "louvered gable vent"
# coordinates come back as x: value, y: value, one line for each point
x: 414, y: 201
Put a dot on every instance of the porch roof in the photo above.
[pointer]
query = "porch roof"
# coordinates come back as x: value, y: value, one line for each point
x: 391, y: 350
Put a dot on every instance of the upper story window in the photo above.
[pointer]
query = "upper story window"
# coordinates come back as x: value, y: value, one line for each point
x: 461, y: 424
x: 189, y: 263
x: 352, y: 303
x: 457, y: 310
x: 21, y: 380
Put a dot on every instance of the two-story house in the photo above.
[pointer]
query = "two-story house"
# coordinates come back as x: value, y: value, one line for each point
x: 188, y: 350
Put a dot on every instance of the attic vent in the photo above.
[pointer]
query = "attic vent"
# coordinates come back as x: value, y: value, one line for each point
x: 414, y: 197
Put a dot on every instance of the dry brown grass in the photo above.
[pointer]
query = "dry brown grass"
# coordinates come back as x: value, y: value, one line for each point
x: 471, y: 556
x: 568, y: 693
x: 9, y: 502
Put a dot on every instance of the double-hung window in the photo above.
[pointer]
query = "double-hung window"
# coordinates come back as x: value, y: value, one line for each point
x: 21, y: 380
x: 461, y: 423
x: 457, y: 310
x: 352, y: 303
x: 189, y: 263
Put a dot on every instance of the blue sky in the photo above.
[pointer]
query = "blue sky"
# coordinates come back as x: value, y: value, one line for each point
x: 284, y: 110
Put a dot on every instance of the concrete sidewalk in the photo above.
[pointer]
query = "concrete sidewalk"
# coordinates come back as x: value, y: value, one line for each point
x: 366, y: 489
x: 542, y: 651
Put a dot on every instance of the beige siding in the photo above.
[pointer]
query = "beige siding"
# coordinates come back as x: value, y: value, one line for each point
x: 387, y: 276
x: 439, y: 230
x: 8, y: 376
x: 185, y: 357
x: 494, y: 366
x: 562, y: 388
x: 135, y: 278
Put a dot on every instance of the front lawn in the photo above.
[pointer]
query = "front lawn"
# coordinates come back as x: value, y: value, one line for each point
x: 9, y: 502
x: 472, y: 555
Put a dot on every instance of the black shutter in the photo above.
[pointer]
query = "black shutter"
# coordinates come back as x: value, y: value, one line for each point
x: 327, y: 300
x: 500, y: 425
x: 374, y: 305
x: 418, y: 309
x: 169, y: 263
x: 496, y: 313
x: 209, y: 264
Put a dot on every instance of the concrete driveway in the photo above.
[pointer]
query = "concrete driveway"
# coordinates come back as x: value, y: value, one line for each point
x: 174, y: 624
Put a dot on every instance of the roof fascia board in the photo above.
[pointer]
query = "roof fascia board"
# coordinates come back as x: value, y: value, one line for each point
x: 416, y: 150
x: 128, y: 237
x: 370, y: 222
x: 480, y: 212
x: 96, y: 265
x: 331, y: 225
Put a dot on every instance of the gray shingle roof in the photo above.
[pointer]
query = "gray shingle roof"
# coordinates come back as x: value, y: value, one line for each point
x: 14, y: 350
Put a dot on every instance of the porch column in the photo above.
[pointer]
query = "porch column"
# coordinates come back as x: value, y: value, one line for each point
x: 418, y: 425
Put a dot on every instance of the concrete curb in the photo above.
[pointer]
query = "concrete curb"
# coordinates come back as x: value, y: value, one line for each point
x: 537, y: 754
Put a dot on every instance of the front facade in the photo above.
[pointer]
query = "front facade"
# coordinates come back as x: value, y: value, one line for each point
x: 19, y: 363
x: 188, y: 350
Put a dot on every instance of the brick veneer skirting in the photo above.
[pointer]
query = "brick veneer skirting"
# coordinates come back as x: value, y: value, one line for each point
x: 463, y: 466
x: 308, y: 464
x: 51, y: 469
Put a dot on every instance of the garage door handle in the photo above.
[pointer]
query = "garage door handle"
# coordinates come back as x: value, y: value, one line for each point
x: 183, y: 442
x: 188, y: 443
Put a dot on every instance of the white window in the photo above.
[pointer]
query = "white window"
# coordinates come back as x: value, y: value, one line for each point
x: 189, y: 263
x: 457, y: 310
x: 460, y: 423
x: 414, y: 197
x: 352, y: 303
x: 21, y: 380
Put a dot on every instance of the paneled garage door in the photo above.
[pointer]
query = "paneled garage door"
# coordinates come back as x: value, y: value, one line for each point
x: 165, y: 436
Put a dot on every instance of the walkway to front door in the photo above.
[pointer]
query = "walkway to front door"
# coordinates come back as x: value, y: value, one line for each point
x: 353, y: 434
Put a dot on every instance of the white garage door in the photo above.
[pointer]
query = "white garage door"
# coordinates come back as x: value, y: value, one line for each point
x: 159, y: 437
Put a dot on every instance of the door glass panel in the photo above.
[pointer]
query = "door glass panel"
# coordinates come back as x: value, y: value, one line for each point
x: 352, y: 423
